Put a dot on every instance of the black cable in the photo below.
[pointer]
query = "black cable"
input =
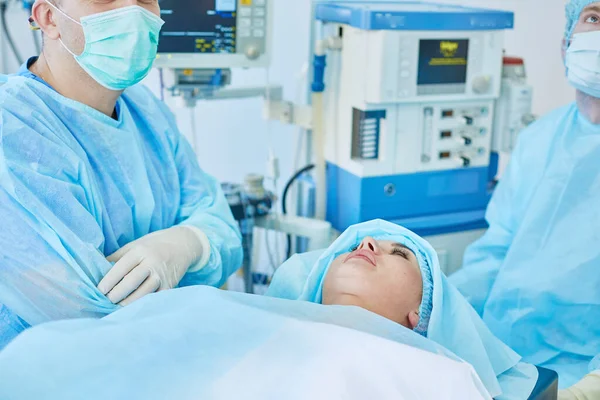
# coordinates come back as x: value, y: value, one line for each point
x: 9, y: 39
x: 288, y: 185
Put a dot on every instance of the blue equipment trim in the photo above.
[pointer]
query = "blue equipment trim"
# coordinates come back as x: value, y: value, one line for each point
x: 319, y: 64
x: 494, y: 162
x: 413, y: 16
x: 217, y: 78
x: 445, y: 223
x: 428, y: 203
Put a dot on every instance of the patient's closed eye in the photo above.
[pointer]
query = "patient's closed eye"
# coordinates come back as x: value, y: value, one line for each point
x: 399, y: 251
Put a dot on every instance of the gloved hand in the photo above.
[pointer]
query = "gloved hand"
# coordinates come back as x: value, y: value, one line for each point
x: 155, y: 262
x: 586, y: 389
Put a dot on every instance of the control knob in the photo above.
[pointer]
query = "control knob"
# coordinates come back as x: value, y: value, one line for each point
x: 482, y: 84
x: 252, y: 52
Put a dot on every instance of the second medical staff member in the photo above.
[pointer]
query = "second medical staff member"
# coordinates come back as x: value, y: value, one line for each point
x: 102, y: 200
x: 535, y: 275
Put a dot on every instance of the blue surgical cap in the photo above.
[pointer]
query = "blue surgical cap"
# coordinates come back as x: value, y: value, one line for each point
x: 572, y: 12
x: 427, y: 301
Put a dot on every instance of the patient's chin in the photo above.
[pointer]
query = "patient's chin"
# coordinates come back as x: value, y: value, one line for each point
x: 342, y: 299
x: 356, y: 301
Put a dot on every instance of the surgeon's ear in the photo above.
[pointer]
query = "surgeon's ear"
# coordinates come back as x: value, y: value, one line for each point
x: 44, y: 17
x: 413, y: 319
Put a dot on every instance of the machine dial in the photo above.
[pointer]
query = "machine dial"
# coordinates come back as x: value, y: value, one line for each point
x: 482, y: 84
x: 467, y: 120
x: 465, y: 161
x: 252, y: 52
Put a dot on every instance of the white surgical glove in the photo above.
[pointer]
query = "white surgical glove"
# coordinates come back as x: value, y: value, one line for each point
x: 586, y: 389
x: 155, y: 262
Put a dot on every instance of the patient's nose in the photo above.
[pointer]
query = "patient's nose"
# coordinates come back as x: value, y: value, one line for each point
x: 368, y: 243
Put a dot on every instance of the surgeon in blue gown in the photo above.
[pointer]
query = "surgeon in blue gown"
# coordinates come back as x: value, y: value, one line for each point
x: 102, y: 200
x: 535, y: 275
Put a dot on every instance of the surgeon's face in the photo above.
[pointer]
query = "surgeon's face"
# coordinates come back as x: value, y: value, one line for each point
x: 589, y: 20
x: 72, y: 34
x: 380, y: 276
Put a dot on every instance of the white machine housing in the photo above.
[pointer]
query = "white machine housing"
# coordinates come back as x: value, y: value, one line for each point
x: 426, y: 127
x: 514, y: 107
x: 408, y: 117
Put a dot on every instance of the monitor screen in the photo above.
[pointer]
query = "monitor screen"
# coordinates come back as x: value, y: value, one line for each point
x: 200, y: 26
x: 443, y: 61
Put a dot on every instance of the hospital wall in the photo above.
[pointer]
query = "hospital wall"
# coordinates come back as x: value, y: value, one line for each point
x: 232, y: 135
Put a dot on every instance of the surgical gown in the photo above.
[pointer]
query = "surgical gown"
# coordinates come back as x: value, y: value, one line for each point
x: 535, y: 275
x: 76, y: 185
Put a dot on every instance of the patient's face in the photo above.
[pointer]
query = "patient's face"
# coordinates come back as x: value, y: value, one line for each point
x: 380, y: 276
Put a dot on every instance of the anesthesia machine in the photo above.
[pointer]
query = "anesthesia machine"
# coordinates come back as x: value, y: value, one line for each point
x: 409, y: 96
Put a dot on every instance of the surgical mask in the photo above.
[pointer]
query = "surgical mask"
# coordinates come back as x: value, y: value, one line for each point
x: 120, y: 45
x: 583, y: 63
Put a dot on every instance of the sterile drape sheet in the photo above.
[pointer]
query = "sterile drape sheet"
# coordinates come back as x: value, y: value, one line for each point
x: 203, y: 343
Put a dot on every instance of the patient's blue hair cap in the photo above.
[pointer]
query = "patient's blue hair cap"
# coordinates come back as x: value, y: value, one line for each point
x: 426, y: 307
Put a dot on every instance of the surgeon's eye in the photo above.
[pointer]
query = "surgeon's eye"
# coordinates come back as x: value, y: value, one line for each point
x: 592, y: 19
x: 398, y: 251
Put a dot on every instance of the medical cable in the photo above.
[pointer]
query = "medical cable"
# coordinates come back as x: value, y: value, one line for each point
x: 301, y: 82
x: 269, y: 251
x: 9, y: 39
x: 288, y: 185
x: 162, y: 84
x: 273, y: 172
x: 193, y: 128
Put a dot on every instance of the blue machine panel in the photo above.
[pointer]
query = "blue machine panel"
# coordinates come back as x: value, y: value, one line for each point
x: 428, y: 203
x: 413, y: 16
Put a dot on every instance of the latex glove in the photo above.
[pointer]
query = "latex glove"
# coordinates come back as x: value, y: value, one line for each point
x: 586, y: 389
x: 155, y: 262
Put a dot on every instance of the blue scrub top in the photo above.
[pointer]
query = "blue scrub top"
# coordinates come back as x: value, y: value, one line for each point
x: 10, y: 323
x: 25, y: 72
x: 77, y: 185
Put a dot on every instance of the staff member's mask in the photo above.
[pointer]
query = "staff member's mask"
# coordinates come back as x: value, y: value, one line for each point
x: 583, y: 63
x: 120, y: 45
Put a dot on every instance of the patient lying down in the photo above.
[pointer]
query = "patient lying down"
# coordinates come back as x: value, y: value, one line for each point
x: 378, y: 266
x: 383, y: 277
x: 390, y: 271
